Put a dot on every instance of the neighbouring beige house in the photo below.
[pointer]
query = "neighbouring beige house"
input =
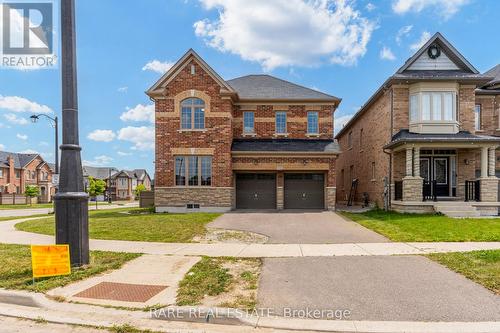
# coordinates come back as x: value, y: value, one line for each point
x: 426, y: 140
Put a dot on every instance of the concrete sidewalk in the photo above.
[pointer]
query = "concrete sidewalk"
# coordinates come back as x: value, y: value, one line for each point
x: 39, y: 211
x: 9, y: 235
x: 81, y: 314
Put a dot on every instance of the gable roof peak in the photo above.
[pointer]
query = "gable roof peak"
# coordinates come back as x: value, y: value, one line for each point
x: 451, y: 52
x: 183, y: 61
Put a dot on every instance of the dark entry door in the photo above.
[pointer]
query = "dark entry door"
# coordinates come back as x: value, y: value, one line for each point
x: 304, y: 191
x: 256, y: 191
x: 438, y: 169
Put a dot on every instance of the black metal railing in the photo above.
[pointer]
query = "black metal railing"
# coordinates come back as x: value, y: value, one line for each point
x: 398, y: 190
x: 472, y: 190
x: 429, y: 190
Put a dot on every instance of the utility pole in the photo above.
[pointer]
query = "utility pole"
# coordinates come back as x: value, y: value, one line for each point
x: 71, y: 202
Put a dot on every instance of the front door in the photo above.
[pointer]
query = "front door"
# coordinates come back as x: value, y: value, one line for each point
x: 437, y: 169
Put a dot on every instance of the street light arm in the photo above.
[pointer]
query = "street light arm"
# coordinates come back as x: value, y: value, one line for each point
x: 36, y: 116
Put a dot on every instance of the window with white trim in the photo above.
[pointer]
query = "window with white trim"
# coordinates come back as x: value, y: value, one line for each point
x: 312, y: 122
x: 280, y: 122
x: 477, y: 117
x: 1, y: 172
x: 433, y: 106
x: 248, y: 122
x: 193, y: 170
x: 192, y: 113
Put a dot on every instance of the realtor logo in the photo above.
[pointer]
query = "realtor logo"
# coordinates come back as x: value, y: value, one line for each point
x: 27, y: 34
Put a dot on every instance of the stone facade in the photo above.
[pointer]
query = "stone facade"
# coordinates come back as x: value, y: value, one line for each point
x: 489, y: 189
x: 212, y: 199
x: 412, y: 188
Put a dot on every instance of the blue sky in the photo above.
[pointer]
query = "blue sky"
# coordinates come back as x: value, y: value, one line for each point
x: 346, y: 49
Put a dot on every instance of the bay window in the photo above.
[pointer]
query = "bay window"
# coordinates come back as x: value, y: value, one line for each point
x: 432, y: 106
x: 193, y: 170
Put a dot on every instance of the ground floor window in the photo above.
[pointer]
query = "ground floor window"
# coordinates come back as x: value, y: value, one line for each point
x: 193, y: 170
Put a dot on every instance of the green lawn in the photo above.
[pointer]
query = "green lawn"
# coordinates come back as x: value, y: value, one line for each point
x: 482, y: 267
x: 44, y: 205
x: 15, y: 268
x: 427, y: 228
x: 135, y: 225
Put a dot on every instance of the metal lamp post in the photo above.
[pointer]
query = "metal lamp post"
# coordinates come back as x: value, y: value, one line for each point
x: 34, y: 118
x: 71, y: 201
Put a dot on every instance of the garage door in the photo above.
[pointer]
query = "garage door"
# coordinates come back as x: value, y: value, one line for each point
x: 304, y: 191
x: 256, y: 191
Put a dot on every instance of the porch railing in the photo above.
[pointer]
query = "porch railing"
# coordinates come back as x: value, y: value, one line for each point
x: 472, y: 190
x: 398, y: 190
x: 429, y: 190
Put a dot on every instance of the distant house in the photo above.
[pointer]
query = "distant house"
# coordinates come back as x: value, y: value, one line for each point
x: 19, y: 170
x: 123, y: 182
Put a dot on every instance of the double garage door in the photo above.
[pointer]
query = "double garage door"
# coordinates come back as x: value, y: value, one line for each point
x: 301, y: 191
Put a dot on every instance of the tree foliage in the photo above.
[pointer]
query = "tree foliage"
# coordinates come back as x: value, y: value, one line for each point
x: 96, y: 187
x: 31, y: 191
x: 139, y: 188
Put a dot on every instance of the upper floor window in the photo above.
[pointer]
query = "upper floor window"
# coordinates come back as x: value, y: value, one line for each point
x: 433, y: 106
x: 361, y: 139
x: 312, y: 123
x: 280, y: 122
x: 192, y: 113
x: 477, y: 117
x: 248, y: 122
x: 193, y: 170
x: 18, y: 174
x: 1, y: 172
x: 349, y: 140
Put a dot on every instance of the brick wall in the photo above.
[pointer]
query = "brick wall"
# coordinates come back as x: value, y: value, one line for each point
x: 401, y: 107
x: 466, y: 103
x: 264, y: 120
x: 375, y: 123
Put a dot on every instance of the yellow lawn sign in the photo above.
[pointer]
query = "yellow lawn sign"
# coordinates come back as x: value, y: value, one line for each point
x: 50, y: 260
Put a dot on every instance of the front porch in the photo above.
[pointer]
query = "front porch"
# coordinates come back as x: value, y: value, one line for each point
x: 441, y: 177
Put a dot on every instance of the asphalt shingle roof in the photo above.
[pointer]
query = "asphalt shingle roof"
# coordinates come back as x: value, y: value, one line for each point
x: 20, y: 160
x: 285, y: 145
x: 98, y: 172
x: 462, y: 136
x: 267, y: 87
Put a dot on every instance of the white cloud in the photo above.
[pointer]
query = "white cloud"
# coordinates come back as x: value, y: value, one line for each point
x: 2, y: 146
x: 142, y: 137
x: 122, y: 89
x: 22, y: 136
x: 341, y: 121
x: 402, y: 32
x: 43, y: 143
x: 446, y: 8
x: 14, y: 119
x: 101, y: 160
x: 28, y: 151
x: 386, y: 54
x: 287, y: 32
x: 122, y: 153
x: 21, y: 104
x: 424, y: 37
x: 369, y: 6
x: 139, y: 113
x: 158, y: 66
x: 102, y: 135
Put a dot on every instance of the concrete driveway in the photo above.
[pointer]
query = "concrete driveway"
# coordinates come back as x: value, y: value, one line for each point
x: 305, y: 227
x: 393, y: 288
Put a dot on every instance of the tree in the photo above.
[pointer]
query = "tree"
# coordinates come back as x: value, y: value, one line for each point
x: 96, y: 187
x: 31, y: 191
x: 138, y: 189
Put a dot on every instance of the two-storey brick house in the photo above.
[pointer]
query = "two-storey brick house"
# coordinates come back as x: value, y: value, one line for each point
x: 19, y: 170
x: 415, y: 144
x: 254, y: 142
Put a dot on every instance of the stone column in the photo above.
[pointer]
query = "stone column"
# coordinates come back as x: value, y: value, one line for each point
x: 484, y: 162
x: 409, y: 162
x: 491, y: 161
x: 416, y: 162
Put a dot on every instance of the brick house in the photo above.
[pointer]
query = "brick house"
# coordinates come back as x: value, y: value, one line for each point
x: 429, y: 132
x: 254, y: 142
x: 19, y: 170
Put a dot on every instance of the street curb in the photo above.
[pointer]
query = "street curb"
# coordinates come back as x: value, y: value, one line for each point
x: 80, y: 314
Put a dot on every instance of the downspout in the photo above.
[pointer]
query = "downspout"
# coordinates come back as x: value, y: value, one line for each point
x: 389, y: 195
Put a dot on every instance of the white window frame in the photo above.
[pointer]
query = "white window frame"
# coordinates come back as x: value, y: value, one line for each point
x: 477, y: 117
x: 316, y: 115
x: 245, y: 131
x: 276, y: 123
x: 416, y: 114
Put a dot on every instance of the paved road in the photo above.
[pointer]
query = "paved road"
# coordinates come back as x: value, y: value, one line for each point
x: 299, y: 227
x: 38, y: 211
x: 393, y: 288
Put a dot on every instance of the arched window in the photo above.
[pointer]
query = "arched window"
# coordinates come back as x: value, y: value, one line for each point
x: 192, y: 113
